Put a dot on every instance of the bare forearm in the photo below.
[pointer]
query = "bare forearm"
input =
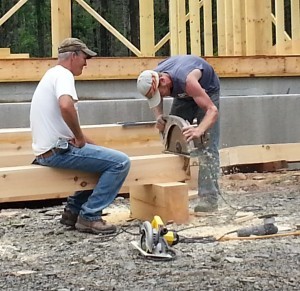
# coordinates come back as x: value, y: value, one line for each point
x: 71, y: 119
x: 158, y: 110
x: 209, y: 119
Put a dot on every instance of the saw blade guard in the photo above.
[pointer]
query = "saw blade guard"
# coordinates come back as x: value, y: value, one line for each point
x: 147, y: 237
x: 174, y: 141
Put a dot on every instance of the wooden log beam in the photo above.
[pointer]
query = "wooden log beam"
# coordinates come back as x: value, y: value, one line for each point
x: 15, y: 144
x: 255, y: 154
x: 38, y: 182
x: 26, y: 70
x: 18, y: 139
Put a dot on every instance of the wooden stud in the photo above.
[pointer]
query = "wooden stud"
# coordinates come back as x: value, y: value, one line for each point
x: 263, y: 27
x: 173, y: 24
x: 221, y: 27
x: 195, y: 27
x: 279, y: 28
x: 181, y: 26
x: 237, y: 28
x: 208, y: 34
x: 250, y: 15
x: 295, y: 19
x: 60, y: 23
x: 229, y: 27
x: 147, y: 40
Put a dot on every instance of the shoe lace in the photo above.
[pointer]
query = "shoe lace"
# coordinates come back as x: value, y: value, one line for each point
x: 103, y: 221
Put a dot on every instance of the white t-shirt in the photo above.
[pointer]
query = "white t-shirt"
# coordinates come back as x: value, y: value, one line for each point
x: 46, y: 122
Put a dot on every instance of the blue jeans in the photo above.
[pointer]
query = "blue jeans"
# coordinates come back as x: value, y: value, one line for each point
x: 209, y: 162
x: 112, y: 166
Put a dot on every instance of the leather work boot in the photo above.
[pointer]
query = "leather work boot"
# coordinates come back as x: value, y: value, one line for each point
x: 96, y: 226
x: 205, y: 206
x: 68, y: 218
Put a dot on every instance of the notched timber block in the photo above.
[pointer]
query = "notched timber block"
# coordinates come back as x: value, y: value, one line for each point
x: 193, y: 173
x: 168, y: 200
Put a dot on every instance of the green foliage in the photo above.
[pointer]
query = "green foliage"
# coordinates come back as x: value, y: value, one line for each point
x: 29, y: 29
x: 20, y: 32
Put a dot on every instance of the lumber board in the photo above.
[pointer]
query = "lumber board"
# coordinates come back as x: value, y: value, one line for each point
x: 34, y: 181
x: 255, y: 154
x: 18, y: 56
x: 4, y: 52
x: 125, y: 68
x: 60, y: 23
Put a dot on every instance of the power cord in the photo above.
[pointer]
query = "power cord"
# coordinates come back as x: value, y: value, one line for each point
x: 247, y: 208
x: 122, y: 229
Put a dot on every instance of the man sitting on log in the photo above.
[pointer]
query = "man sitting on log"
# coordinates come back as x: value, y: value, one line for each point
x: 58, y: 140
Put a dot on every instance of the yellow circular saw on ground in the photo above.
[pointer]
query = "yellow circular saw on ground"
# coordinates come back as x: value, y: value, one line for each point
x: 156, y: 240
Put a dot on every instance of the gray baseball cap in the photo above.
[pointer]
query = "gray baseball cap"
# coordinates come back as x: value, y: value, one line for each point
x: 74, y: 44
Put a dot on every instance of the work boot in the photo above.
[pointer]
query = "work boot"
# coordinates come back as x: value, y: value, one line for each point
x: 68, y: 218
x: 205, y: 206
x: 95, y: 226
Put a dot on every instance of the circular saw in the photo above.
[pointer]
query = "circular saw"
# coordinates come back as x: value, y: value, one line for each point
x: 156, y: 240
x: 174, y: 140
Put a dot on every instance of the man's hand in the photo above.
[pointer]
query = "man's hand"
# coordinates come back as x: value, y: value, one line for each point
x: 160, y: 123
x: 79, y: 143
x: 190, y: 132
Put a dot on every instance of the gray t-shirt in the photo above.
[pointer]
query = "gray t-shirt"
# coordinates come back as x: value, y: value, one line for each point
x: 178, y: 67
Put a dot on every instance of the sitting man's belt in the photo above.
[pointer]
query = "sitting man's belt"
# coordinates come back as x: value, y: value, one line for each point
x: 48, y: 153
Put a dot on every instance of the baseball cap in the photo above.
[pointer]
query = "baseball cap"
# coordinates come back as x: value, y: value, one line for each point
x: 144, y: 84
x: 74, y: 44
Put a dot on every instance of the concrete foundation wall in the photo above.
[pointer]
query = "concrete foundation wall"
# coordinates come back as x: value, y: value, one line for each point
x: 126, y: 89
x: 244, y: 119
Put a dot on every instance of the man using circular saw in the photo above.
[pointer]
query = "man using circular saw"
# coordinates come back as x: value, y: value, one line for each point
x: 195, y: 87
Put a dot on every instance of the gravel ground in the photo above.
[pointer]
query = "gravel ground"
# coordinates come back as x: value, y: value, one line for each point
x: 37, y: 253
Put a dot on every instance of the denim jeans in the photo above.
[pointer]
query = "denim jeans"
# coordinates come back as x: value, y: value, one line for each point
x: 112, y: 166
x: 209, y: 162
